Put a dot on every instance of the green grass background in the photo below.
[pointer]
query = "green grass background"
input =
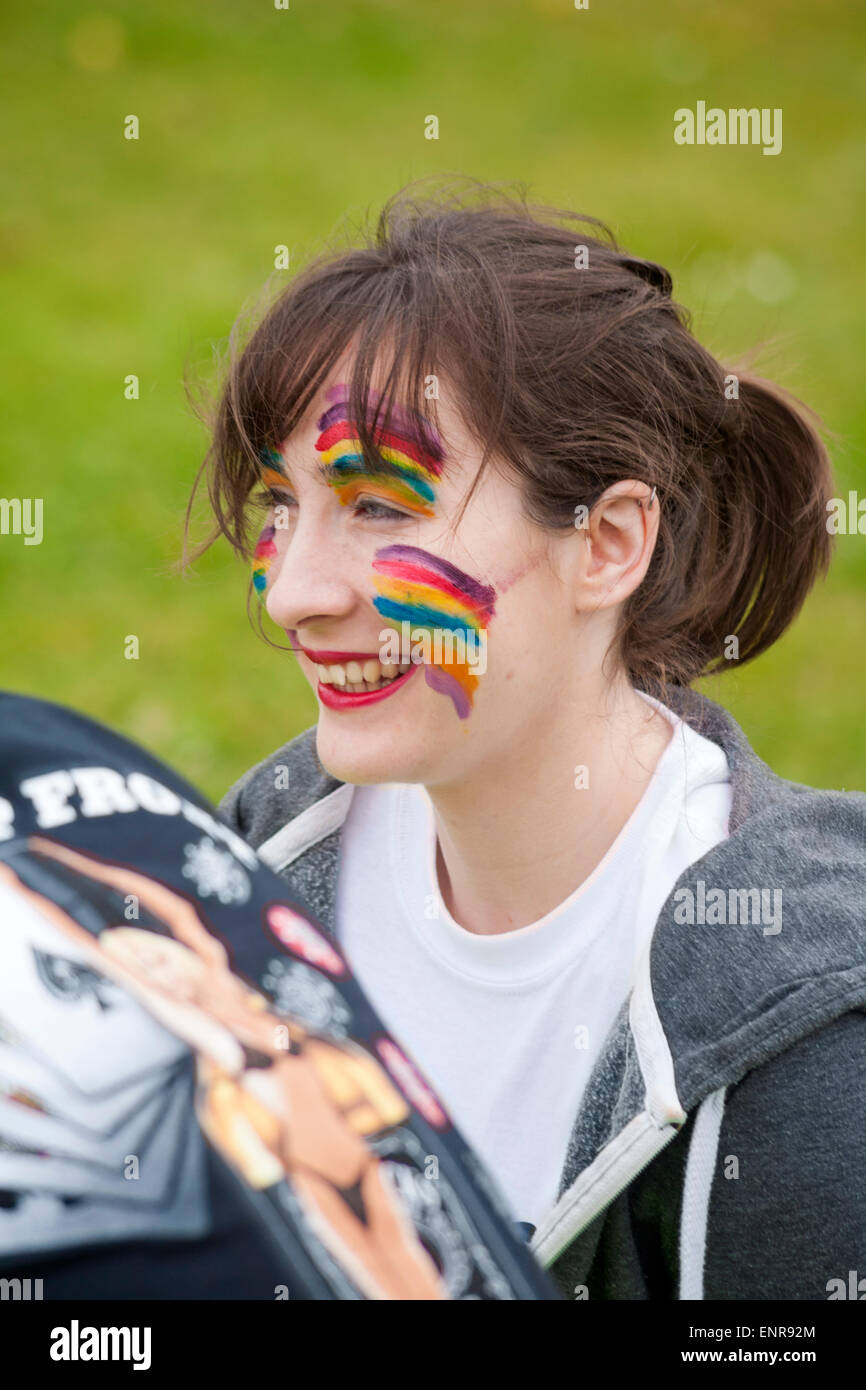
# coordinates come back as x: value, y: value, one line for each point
x: 261, y: 126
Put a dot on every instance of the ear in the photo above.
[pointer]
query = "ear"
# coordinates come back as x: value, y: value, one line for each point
x: 619, y: 538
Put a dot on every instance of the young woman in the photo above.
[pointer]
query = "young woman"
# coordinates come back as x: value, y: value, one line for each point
x: 508, y: 510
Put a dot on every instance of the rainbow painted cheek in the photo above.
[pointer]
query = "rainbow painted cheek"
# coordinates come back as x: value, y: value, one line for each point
x: 263, y: 557
x: 424, y: 595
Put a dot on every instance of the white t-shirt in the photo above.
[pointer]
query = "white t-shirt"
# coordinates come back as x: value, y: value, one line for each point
x: 507, y: 1027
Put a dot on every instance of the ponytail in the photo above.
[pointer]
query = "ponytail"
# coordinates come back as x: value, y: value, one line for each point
x: 777, y: 488
x: 744, y: 540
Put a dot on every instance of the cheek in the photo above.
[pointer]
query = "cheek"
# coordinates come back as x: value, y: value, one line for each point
x: 264, y: 557
x: 519, y: 572
x: 442, y: 613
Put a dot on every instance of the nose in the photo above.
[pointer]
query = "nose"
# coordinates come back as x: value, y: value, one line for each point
x: 310, y: 578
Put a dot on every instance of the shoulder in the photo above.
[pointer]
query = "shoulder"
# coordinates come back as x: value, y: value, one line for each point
x: 786, y: 1214
x: 765, y: 804
x: 277, y: 789
x: 760, y: 1195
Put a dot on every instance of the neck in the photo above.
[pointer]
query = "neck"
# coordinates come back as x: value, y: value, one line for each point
x: 523, y: 835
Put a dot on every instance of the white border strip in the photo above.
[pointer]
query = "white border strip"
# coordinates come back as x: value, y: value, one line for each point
x: 622, y: 1159
x: 654, y: 1055
x: 307, y: 829
x: 700, y: 1171
x: 637, y: 1143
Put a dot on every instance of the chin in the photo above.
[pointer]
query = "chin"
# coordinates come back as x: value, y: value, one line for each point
x: 352, y: 755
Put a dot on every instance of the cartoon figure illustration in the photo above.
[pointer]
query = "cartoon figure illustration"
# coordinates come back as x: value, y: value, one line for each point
x: 276, y: 1101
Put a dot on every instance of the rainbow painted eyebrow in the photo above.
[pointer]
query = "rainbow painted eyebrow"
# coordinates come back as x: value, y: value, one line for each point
x: 410, y: 453
x: 273, y: 468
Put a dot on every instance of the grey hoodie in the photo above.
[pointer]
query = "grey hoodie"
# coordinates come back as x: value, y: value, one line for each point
x: 719, y: 1151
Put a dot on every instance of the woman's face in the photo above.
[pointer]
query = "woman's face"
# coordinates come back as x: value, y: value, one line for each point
x: 434, y: 650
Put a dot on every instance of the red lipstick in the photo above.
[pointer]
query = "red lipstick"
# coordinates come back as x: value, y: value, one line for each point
x: 327, y: 657
x: 334, y: 658
x: 333, y: 697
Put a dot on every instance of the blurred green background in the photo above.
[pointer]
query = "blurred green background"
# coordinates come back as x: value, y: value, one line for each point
x: 261, y: 126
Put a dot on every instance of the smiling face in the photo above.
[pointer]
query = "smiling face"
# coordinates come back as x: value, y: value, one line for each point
x: 434, y: 645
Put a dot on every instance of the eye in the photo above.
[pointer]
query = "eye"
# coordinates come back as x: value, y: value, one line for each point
x: 280, y: 496
x: 378, y: 511
x: 269, y: 498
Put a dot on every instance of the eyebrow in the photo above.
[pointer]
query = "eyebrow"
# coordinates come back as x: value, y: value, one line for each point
x: 273, y: 470
x: 403, y: 431
x: 401, y: 426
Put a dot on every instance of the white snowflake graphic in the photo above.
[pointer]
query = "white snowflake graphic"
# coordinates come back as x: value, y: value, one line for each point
x: 215, y: 872
x: 303, y: 992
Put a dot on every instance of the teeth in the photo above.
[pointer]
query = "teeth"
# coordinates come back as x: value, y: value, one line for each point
x: 355, y: 677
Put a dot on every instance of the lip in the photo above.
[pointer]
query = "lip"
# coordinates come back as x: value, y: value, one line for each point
x: 332, y: 697
x: 331, y: 658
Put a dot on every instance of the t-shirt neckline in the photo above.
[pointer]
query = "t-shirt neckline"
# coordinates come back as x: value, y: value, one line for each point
x: 526, y: 955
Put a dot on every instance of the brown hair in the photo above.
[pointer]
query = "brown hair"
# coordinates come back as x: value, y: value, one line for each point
x: 574, y: 378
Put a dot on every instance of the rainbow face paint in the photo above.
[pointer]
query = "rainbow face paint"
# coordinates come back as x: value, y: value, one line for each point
x: 410, y: 452
x: 445, y: 613
x: 272, y: 474
x: 273, y: 470
x: 263, y: 558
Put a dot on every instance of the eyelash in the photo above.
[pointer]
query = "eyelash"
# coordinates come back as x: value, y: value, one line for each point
x: 379, y: 511
x: 365, y: 506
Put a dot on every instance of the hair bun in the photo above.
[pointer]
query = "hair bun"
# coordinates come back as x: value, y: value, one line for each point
x: 651, y: 272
